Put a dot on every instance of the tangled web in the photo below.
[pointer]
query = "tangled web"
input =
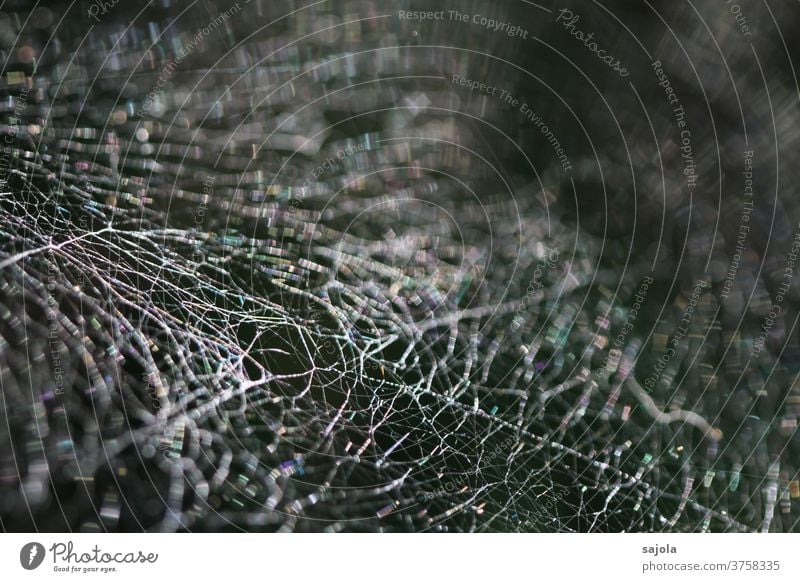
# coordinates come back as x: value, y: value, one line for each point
x: 326, y: 328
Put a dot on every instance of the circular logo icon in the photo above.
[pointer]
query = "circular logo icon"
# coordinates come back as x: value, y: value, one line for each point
x: 31, y: 555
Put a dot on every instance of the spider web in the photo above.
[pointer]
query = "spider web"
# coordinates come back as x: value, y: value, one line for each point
x: 206, y: 329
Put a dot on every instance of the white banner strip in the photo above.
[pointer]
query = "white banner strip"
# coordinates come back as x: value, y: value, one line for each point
x: 402, y: 557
